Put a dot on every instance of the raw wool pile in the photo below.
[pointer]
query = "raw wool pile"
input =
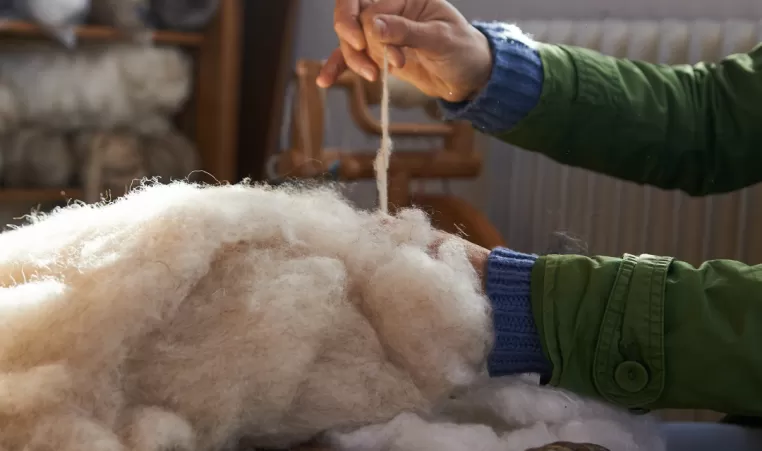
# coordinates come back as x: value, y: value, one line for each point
x: 101, y: 86
x: 135, y: 18
x: 54, y: 101
x: 58, y: 17
x: 139, y: 17
x: 184, y: 317
x: 507, y: 414
x: 126, y: 15
x: 274, y: 313
x: 111, y: 162
x: 184, y: 14
x: 101, y: 162
x: 36, y: 157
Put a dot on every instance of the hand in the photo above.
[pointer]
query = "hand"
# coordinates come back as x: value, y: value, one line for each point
x: 430, y: 44
x: 476, y: 254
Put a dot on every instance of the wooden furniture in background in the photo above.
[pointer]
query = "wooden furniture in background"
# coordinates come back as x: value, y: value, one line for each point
x: 269, y: 29
x: 458, y: 157
x: 210, y: 117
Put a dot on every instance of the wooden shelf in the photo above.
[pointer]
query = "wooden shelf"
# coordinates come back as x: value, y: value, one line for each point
x: 210, y: 117
x: 42, y: 195
x: 99, y: 33
x: 17, y: 28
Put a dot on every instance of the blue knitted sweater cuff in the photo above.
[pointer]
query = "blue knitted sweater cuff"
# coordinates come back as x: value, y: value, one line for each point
x: 517, y: 349
x: 514, y: 87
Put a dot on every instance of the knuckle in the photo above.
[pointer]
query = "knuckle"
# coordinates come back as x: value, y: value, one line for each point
x: 354, y: 61
x: 442, y: 32
x: 338, y: 26
x: 341, y: 21
x: 403, y: 32
x: 397, y: 32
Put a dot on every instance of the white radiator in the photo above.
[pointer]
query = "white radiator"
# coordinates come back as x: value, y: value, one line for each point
x: 538, y: 196
x: 664, y: 41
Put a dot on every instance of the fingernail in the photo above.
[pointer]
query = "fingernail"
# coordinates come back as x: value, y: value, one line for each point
x: 327, y: 72
x: 367, y: 74
x: 380, y: 26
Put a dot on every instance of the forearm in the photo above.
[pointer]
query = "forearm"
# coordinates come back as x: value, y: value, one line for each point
x: 647, y: 332
x: 692, y: 128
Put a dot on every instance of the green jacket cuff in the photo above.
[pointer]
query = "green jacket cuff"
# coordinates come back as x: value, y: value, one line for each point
x: 619, y: 353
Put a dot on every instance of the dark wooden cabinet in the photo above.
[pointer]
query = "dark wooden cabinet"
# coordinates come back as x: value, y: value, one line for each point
x: 268, y: 40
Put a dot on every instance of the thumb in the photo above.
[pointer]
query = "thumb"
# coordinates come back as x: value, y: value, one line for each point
x: 401, y: 32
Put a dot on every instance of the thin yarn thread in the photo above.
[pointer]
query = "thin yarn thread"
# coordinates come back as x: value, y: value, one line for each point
x: 381, y: 163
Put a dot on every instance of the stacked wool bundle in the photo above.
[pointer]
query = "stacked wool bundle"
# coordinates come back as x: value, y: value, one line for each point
x: 133, y: 17
x: 185, y: 317
x: 184, y: 14
x: 138, y: 16
x: 58, y: 17
x: 34, y: 156
x: 103, y: 162
x: 112, y: 161
x: 125, y: 92
x: 126, y: 15
x: 98, y: 87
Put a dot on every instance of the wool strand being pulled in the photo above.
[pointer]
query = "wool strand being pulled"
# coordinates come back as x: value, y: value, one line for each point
x: 381, y: 163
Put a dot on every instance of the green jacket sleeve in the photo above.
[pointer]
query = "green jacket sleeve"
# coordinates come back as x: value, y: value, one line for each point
x: 649, y: 332
x: 692, y: 128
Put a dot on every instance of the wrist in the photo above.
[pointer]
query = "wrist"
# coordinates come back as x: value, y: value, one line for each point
x: 483, y: 66
x: 514, y: 85
x: 517, y: 348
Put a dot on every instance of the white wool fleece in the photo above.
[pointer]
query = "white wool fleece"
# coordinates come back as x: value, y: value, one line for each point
x: 227, y: 311
x: 98, y: 87
x: 507, y: 414
x: 185, y: 318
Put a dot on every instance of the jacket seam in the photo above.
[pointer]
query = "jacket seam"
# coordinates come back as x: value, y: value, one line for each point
x: 656, y: 316
x: 612, y: 319
x: 548, y: 312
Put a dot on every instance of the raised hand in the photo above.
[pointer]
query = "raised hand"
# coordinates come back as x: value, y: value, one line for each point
x: 430, y: 44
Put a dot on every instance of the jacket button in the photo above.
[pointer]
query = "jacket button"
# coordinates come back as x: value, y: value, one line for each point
x: 631, y: 376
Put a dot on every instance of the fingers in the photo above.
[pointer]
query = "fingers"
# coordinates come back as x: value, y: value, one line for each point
x: 336, y: 65
x: 396, y: 56
x: 401, y: 32
x: 360, y: 62
x: 332, y: 69
x: 346, y: 22
x: 354, y: 51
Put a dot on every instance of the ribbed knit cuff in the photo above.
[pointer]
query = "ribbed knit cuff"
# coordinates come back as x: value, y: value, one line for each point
x: 517, y: 349
x: 514, y: 87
